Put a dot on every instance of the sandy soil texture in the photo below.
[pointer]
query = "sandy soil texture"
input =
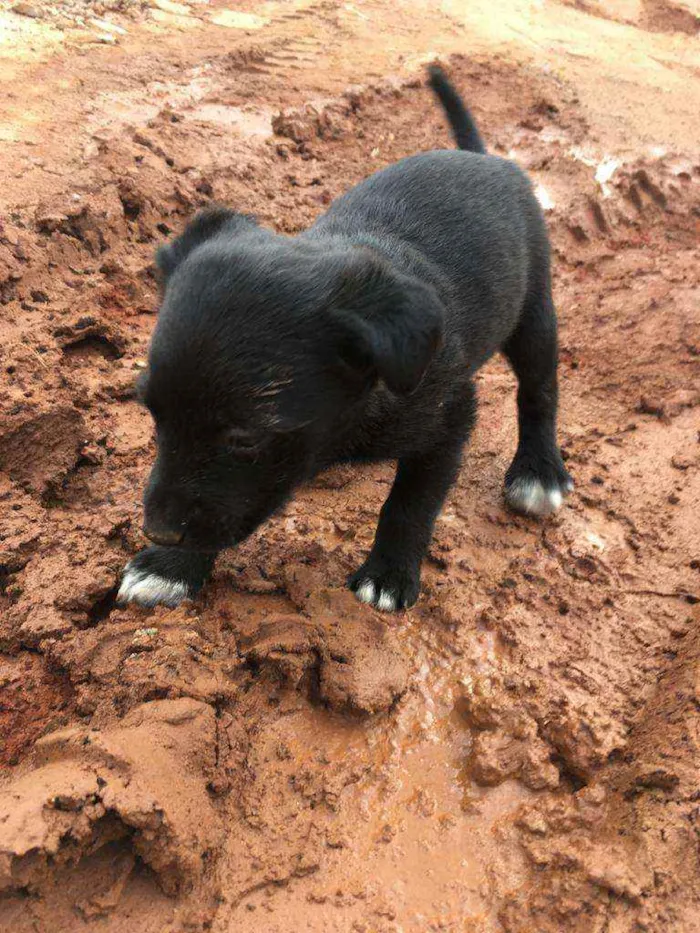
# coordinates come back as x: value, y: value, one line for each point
x: 521, y: 752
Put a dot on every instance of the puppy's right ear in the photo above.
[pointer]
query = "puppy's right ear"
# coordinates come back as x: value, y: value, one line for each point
x: 390, y: 325
x: 204, y: 225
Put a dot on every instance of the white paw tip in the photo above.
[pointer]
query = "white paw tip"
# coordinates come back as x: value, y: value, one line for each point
x: 555, y: 499
x: 386, y: 602
x: 150, y: 589
x: 383, y: 600
x: 531, y: 497
x: 365, y: 592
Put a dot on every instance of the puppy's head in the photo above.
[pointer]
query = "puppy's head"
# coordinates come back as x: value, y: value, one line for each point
x: 265, y: 350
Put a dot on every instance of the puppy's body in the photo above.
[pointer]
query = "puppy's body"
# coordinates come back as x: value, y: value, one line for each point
x: 480, y: 249
x: 357, y: 339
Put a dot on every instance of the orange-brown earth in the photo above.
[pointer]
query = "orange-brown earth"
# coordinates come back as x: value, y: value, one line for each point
x: 520, y: 752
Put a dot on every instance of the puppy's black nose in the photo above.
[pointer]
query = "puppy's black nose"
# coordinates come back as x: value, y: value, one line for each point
x: 164, y: 536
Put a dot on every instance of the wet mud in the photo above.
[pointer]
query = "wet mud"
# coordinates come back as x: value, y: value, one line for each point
x: 518, y: 753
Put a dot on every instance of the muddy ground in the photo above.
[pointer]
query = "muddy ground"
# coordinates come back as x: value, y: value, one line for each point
x: 521, y: 751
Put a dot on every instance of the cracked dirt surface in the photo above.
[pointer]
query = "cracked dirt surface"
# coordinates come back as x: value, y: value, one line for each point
x: 520, y: 752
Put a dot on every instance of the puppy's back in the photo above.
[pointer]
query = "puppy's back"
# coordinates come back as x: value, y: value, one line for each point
x: 469, y: 223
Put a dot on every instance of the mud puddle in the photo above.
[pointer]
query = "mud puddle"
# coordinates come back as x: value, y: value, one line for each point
x: 520, y: 752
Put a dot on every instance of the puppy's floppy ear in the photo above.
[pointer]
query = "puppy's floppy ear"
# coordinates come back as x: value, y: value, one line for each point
x: 390, y: 324
x: 202, y: 227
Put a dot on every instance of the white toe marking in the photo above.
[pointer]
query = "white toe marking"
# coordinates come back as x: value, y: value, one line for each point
x: 365, y: 592
x: 386, y: 602
x: 383, y: 600
x: 150, y: 589
x: 530, y: 496
x: 555, y: 499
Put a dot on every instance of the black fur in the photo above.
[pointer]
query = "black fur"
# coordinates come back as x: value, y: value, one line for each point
x: 274, y: 357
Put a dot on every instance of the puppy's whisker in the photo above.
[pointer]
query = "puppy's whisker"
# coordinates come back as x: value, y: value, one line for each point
x: 271, y: 389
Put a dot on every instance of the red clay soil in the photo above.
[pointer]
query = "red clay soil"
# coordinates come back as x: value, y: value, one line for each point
x: 518, y: 753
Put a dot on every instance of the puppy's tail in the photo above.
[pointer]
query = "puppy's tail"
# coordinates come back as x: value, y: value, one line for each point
x: 461, y: 121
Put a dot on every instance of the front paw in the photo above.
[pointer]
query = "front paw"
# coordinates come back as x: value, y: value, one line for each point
x: 388, y: 585
x: 160, y: 576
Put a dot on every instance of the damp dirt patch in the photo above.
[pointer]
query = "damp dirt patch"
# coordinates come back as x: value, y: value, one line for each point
x: 518, y: 753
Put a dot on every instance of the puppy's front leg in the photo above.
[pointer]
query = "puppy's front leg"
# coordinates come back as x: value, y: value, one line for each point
x: 164, y: 576
x: 390, y: 577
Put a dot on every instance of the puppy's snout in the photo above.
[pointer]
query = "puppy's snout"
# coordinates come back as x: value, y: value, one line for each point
x: 175, y: 512
x: 165, y: 513
x: 165, y: 536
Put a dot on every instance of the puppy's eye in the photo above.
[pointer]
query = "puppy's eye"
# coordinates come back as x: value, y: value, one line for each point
x: 240, y: 443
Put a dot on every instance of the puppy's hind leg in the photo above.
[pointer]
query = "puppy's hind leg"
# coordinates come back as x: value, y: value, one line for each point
x: 537, y: 480
x: 164, y: 576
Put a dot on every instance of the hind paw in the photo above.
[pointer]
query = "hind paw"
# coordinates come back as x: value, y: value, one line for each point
x: 537, y: 490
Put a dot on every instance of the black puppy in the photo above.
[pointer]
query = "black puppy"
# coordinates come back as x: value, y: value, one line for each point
x: 276, y: 356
